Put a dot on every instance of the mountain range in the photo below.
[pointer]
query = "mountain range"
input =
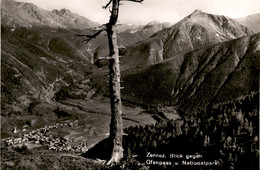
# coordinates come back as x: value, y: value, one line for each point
x: 252, y: 22
x: 197, y: 30
x: 20, y: 14
x: 204, y: 77
x: 201, y: 56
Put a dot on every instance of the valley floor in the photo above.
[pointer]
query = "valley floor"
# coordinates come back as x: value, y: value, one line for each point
x: 92, y: 119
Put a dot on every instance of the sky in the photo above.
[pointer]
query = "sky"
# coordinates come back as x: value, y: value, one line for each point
x: 151, y: 10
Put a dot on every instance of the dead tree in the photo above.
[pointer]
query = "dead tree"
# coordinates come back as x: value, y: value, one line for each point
x: 116, y: 125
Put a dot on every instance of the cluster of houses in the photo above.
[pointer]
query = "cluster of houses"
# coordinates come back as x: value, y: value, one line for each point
x: 63, y: 144
x: 41, y: 137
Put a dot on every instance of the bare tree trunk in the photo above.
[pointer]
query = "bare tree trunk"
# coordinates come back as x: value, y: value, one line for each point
x: 116, y: 127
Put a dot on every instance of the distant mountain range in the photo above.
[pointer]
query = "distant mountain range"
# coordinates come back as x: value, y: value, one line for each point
x: 150, y: 28
x: 252, y: 22
x: 20, y: 14
x: 134, y: 33
x: 200, y: 60
x: 16, y: 14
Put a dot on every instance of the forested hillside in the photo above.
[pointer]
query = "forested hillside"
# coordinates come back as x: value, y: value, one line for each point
x: 227, y: 134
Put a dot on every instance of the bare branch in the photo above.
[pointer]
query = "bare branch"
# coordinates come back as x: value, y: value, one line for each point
x: 101, y: 27
x: 105, y: 7
x: 90, y: 37
x: 110, y: 10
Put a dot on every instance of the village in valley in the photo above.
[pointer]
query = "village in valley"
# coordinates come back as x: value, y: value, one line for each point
x: 41, y: 137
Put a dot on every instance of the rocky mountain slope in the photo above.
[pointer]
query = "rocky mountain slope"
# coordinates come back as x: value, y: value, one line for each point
x: 206, y: 76
x: 193, y: 32
x: 252, y: 22
x: 15, y: 14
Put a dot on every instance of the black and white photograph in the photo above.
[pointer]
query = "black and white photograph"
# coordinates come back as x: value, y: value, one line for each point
x: 130, y: 84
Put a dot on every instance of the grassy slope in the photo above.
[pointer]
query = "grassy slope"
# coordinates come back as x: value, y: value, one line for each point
x: 25, y: 56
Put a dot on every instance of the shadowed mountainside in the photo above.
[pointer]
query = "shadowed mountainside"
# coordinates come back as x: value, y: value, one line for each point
x: 207, y: 76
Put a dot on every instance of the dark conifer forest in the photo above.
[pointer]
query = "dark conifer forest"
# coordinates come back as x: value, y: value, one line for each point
x: 227, y: 133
